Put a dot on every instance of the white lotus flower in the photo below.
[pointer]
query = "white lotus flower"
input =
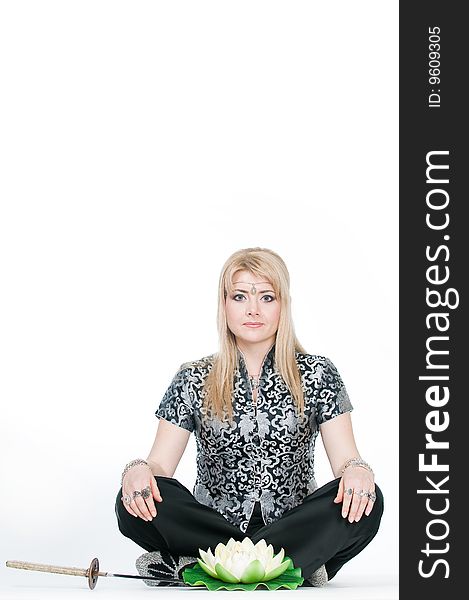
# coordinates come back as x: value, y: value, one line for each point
x: 243, y: 561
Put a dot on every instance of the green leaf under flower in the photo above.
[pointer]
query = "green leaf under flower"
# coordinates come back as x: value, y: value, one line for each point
x: 289, y: 579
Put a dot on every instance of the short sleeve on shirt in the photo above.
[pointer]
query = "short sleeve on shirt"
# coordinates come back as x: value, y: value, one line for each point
x: 333, y: 399
x: 176, y: 405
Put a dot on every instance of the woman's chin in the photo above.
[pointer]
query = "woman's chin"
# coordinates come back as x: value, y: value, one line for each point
x: 254, y: 337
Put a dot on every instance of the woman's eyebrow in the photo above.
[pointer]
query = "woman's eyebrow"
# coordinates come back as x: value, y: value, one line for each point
x: 261, y: 292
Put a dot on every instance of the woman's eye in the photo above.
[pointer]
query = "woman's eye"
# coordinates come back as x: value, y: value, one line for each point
x: 238, y: 296
x: 269, y: 298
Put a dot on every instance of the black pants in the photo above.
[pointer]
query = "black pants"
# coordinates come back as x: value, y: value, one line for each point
x: 313, y: 533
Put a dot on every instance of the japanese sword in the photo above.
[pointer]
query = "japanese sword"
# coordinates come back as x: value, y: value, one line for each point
x: 91, y: 573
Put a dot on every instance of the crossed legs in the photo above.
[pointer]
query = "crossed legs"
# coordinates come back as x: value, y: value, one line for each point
x: 313, y: 533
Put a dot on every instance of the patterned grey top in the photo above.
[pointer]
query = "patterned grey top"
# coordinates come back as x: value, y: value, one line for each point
x: 268, y: 453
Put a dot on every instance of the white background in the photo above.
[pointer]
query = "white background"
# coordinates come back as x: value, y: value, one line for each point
x: 141, y: 144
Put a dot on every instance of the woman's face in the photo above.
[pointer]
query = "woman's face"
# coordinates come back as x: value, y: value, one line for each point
x: 244, y: 309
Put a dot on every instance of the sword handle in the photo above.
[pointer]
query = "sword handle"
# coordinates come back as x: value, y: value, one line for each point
x: 18, y: 564
x: 91, y: 573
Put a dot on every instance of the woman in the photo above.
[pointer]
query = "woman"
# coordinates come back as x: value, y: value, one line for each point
x: 256, y: 408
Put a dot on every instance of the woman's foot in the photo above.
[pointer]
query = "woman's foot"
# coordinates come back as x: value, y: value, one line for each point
x: 162, y: 564
x: 319, y: 577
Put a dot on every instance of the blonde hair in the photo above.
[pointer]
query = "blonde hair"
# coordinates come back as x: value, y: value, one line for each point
x: 219, y: 382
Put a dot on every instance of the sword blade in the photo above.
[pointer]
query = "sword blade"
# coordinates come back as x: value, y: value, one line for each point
x: 149, y: 578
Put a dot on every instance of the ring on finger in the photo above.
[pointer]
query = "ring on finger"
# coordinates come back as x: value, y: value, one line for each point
x: 362, y: 493
x: 126, y: 499
x: 136, y: 493
x: 146, y: 492
x: 349, y: 491
x: 371, y: 496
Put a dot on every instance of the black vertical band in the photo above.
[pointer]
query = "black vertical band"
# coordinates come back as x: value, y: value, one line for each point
x: 434, y: 241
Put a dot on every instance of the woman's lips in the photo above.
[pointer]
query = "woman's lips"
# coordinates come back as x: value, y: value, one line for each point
x: 254, y: 325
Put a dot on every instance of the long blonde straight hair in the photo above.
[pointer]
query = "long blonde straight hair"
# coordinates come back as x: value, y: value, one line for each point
x: 219, y: 382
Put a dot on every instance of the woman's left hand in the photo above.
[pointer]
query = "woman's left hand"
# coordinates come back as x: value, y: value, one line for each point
x: 354, y: 488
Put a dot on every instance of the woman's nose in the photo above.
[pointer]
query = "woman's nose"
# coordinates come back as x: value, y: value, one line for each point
x: 253, y: 309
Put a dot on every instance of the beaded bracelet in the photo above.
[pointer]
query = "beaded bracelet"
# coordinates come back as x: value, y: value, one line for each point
x: 356, y: 462
x: 132, y: 463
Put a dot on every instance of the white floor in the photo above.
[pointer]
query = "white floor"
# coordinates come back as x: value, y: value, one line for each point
x: 35, y: 586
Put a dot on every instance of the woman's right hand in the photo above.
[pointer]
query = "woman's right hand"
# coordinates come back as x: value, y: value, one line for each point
x: 139, y: 479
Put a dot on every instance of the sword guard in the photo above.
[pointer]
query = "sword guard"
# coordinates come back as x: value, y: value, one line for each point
x: 93, y: 573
